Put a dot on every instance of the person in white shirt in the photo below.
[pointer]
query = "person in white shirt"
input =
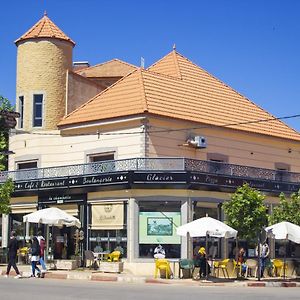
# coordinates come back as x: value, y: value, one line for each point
x: 159, y: 252
x: 264, y: 253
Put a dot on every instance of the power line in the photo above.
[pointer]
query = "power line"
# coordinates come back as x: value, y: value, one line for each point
x: 98, y: 133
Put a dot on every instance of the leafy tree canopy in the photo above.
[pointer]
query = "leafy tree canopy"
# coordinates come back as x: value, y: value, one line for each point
x: 246, y: 212
x: 6, y: 190
x: 4, y: 105
x: 287, y: 210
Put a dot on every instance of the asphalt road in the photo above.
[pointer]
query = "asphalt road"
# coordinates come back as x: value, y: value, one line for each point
x: 48, y: 289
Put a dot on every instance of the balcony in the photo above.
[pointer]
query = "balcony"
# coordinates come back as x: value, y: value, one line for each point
x: 151, y: 164
x: 183, y: 168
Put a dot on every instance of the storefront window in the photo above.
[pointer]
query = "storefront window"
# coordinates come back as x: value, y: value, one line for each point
x: 206, y: 209
x: 17, y: 225
x: 157, y: 226
x: 287, y: 247
x: 108, y: 230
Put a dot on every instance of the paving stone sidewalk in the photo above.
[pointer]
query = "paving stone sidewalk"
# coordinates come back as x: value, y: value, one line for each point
x: 87, y: 274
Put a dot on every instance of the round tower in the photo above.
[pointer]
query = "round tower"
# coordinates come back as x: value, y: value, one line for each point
x: 43, y: 57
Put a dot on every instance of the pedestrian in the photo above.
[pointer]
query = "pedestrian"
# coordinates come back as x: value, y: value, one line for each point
x: 12, y: 255
x: 35, y: 256
x: 42, y: 244
x: 264, y: 253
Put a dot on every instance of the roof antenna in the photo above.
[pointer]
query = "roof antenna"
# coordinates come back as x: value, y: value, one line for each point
x: 142, y: 62
x: 45, y: 13
x: 174, y: 47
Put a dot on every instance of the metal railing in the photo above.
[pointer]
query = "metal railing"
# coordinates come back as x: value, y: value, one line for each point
x: 151, y: 164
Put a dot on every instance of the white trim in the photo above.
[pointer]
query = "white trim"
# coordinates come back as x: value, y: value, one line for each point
x: 102, y: 123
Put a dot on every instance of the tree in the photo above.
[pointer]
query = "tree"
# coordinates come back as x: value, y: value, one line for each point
x: 7, y: 187
x: 6, y: 190
x: 246, y: 212
x: 4, y: 132
x: 287, y: 210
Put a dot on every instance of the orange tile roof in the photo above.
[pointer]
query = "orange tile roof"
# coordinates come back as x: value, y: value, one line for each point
x: 112, y: 68
x: 177, y: 88
x: 44, y: 28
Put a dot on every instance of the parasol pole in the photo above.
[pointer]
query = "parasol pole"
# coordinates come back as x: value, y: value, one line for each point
x: 284, y: 259
x: 206, y: 251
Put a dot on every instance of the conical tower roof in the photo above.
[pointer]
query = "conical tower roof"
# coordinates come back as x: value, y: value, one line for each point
x: 44, y: 28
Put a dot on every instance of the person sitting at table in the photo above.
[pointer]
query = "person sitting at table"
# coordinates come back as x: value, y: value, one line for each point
x: 159, y: 252
x: 203, y: 264
x: 241, y: 261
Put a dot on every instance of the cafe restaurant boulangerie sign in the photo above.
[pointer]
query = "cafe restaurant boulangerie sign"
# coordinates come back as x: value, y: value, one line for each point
x: 137, y: 179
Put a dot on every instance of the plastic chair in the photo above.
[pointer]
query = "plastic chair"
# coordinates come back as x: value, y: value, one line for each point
x: 251, y: 265
x: 162, y: 265
x: 221, y: 265
x: 114, y: 256
x: 279, y: 266
x: 90, y: 257
x: 296, y: 267
x: 186, y: 264
x: 237, y: 268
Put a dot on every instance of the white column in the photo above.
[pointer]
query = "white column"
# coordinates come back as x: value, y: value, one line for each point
x: 5, y: 233
x: 186, y: 242
x: 132, y: 230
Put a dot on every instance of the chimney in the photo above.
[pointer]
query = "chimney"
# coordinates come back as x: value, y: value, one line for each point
x: 78, y: 65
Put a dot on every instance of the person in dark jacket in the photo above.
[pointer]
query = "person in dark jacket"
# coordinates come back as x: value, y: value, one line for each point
x: 12, y: 255
x: 35, y: 256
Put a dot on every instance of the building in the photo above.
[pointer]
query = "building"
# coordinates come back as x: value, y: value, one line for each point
x: 135, y: 152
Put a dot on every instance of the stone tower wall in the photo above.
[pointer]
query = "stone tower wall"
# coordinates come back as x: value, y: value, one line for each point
x: 41, y: 69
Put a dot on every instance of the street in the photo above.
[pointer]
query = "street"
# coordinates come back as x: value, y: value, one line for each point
x: 47, y: 289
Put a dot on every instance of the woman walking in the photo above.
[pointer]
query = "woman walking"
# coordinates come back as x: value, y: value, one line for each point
x: 35, y: 256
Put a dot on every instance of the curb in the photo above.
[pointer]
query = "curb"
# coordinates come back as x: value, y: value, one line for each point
x: 148, y: 280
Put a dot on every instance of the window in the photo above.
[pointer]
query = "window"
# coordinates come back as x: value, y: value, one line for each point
x: 108, y: 230
x: 27, y: 165
x: 21, y: 110
x: 158, y: 221
x: 37, y: 110
x: 216, y: 162
x: 101, y: 157
x: 282, y: 171
x: 95, y: 166
x: 29, y: 170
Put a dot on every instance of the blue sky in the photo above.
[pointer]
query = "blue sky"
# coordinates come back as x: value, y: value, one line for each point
x: 253, y: 46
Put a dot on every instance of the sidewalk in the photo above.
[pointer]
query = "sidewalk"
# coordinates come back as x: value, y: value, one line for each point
x: 86, y: 274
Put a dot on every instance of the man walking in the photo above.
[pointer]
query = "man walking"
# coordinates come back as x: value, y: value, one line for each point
x: 12, y: 255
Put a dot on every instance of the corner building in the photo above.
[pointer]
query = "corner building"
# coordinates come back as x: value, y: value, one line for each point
x: 133, y: 152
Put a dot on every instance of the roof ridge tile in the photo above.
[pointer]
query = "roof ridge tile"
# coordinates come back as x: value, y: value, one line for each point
x: 143, y: 92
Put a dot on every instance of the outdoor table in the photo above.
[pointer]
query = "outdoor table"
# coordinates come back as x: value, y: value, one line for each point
x: 174, y: 261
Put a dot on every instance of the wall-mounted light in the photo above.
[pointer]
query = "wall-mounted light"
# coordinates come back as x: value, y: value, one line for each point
x: 7, y: 152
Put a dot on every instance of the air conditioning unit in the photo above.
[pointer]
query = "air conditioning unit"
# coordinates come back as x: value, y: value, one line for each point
x: 198, y: 142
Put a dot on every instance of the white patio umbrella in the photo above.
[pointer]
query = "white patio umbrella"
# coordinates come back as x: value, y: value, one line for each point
x: 52, y: 216
x: 284, y: 231
x: 207, y: 226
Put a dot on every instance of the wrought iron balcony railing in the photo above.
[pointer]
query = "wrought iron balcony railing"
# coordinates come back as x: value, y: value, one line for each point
x: 152, y: 164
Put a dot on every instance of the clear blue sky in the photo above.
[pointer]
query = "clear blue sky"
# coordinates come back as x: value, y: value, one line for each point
x: 253, y: 46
